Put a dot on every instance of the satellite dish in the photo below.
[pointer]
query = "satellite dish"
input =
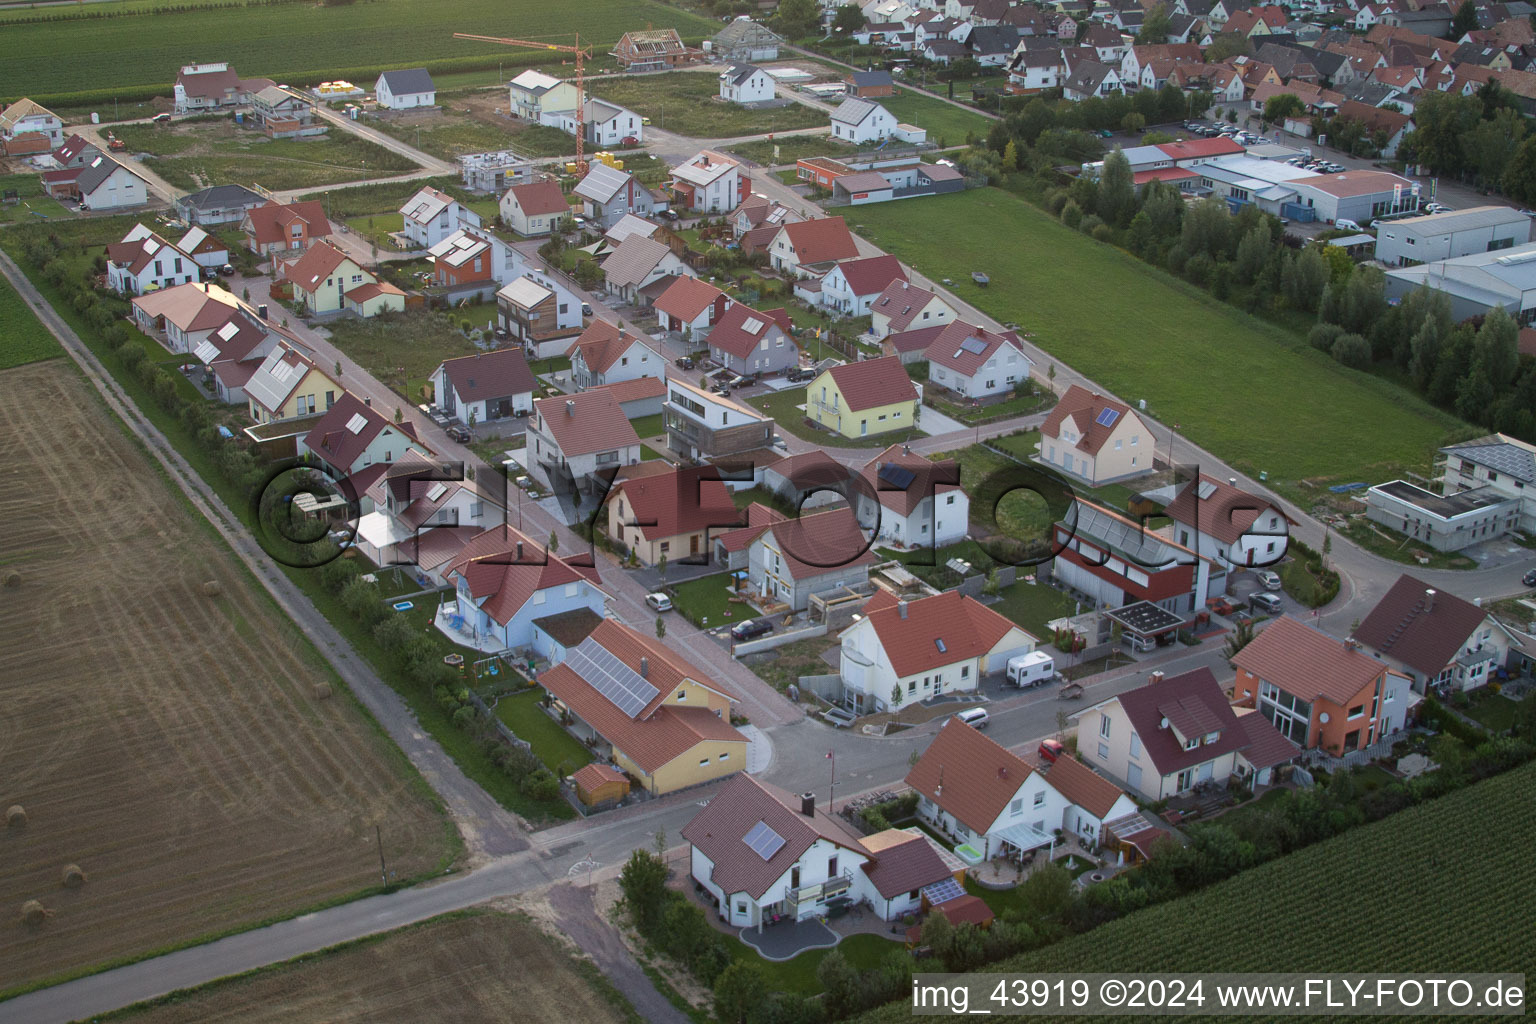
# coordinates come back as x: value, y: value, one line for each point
x: 1323, y: 717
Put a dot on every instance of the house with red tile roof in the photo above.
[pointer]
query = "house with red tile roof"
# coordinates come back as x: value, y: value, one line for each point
x: 1095, y: 439
x: 1318, y: 690
x: 732, y: 546
x: 810, y: 247
x: 974, y: 362
x: 534, y: 209
x: 284, y: 230
x: 851, y: 287
x: 759, y: 852
x: 1118, y: 564
x: 748, y: 341
x: 144, y: 262
x: 690, y: 307
x: 1093, y: 800
x: 1163, y: 738
x: 918, y: 650
x: 903, y: 307
x: 326, y: 280
x: 653, y: 714
x: 353, y: 435
x: 415, y: 496
x: 572, y: 439
x: 797, y: 558
x: 503, y: 582
x: 920, y: 501
x: 211, y: 86
x: 861, y: 399
x: 982, y: 794
x: 485, y: 386
x: 1437, y: 639
x: 675, y: 515
x: 1222, y: 522
x: 608, y: 354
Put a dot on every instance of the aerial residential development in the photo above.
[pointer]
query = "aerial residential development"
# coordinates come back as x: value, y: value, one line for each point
x: 716, y: 513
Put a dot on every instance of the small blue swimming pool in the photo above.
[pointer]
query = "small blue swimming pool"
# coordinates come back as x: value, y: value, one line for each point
x: 403, y: 606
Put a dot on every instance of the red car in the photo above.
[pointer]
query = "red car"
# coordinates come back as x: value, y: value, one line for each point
x: 1050, y: 750
x: 629, y: 140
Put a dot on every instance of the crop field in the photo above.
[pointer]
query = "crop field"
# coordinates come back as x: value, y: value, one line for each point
x: 1460, y: 915
x: 688, y: 102
x: 304, y: 41
x: 204, y: 152
x: 1246, y: 390
x: 23, y: 338
x: 472, y: 968
x: 164, y: 727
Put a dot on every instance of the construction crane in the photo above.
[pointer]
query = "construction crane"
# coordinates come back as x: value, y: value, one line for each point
x: 581, y: 92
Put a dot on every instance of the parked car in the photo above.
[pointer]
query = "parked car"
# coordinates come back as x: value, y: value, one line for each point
x: 1269, y: 579
x: 799, y: 373
x: 778, y: 442
x: 228, y: 270
x: 1050, y: 750
x: 460, y: 434
x: 586, y: 309
x: 659, y: 602
x: 751, y: 629
x: 685, y: 362
x: 1269, y: 604
x: 723, y: 390
x: 976, y: 718
x: 1529, y: 579
x: 161, y: 119
x: 629, y: 140
x: 1105, y: 133
x: 838, y: 717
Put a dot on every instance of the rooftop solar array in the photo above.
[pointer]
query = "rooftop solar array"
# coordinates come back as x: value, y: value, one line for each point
x: 357, y: 422
x: 897, y: 476
x: 763, y: 841
x: 610, y: 677
x: 973, y: 345
x: 1107, y: 417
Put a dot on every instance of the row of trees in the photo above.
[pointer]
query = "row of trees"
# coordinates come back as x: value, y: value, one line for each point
x: 1483, y: 139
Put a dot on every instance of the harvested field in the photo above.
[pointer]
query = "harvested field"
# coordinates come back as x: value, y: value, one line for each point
x: 168, y: 741
x: 468, y: 968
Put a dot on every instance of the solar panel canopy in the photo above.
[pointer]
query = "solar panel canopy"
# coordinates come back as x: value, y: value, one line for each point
x: 943, y: 892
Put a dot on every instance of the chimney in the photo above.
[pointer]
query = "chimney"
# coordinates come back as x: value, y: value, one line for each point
x: 519, y: 551
x: 901, y: 607
x: 1002, y: 771
x: 1232, y: 481
x: 570, y: 407
x: 368, y: 402
x: 906, y: 449
x: 808, y: 804
x: 645, y: 667
x: 1155, y: 678
x: 1429, y: 600
x: 1351, y: 644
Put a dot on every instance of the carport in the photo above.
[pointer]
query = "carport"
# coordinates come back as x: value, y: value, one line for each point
x: 1144, y: 622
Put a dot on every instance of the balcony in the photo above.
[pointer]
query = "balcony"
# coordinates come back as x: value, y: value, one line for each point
x: 820, y: 891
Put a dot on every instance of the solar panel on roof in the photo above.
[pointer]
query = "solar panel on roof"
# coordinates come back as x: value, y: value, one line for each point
x: 1206, y: 489
x: 973, y: 345
x: 763, y: 840
x: 609, y: 676
x: 229, y: 330
x: 1107, y: 417
x: 357, y: 422
x: 897, y: 476
x: 943, y: 892
x: 436, y: 491
x: 753, y: 325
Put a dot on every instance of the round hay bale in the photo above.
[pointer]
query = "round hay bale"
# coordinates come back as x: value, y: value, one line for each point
x: 212, y: 588
x: 34, y: 913
x: 322, y: 691
x: 15, y: 816
x: 72, y: 876
x: 13, y: 579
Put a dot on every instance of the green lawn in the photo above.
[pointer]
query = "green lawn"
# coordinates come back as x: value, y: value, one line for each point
x: 1018, y: 405
x: 1399, y: 547
x: 781, y: 407
x: 376, y: 227
x: 23, y: 338
x: 703, y: 601
x: 1494, y: 711
x: 451, y: 135
x: 649, y: 426
x: 1032, y: 605
x: 31, y: 204
x: 543, y: 140
x: 401, y: 350
x: 863, y: 951
x: 1242, y: 388
x: 647, y: 453
x: 303, y: 43
x: 688, y: 102
x: 947, y: 125
x: 791, y: 148
x: 561, y: 752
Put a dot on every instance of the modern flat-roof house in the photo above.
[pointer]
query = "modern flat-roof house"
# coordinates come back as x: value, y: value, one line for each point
x: 903, y: 307
x: 504, y: 580
x: 607, y: 354
x: 1164, y: 738
x: 704, y: 425
x: 1439, y: 236
x: 797, y: 558
x: 1320, y: 691
x: 903, y: 652
x: 1447, y: 522
x: 1437, y: 639
x: 748, y: 341
x: 483, y: 387
x: 673, y: 515
x: 1096, y: 439
x: 1114, y: 561
x: 534, y: 209
x: 405, y: 90
x: 540, y: 312
x: 1476, y: 283
x: 284, y: 114
x: 571, y: 438
x: 657, y: 717
x: 709, y: 182
x: 1222, y: 522
x: 974, y: 362
x: 921, y: 503
x: 1506, y: 465
x: 863, y: 399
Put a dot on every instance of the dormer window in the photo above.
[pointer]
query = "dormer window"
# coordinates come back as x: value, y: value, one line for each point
x: 1191, y: 744
x: 1212, y: 737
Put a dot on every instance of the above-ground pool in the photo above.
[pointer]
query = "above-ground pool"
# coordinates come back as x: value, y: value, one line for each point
x: 969, y: 854
x: 403, y: 606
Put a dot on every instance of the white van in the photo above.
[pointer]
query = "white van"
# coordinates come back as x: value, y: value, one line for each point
x: 1033, y: 669
x: 976, y: 718
x: 1344, y: 224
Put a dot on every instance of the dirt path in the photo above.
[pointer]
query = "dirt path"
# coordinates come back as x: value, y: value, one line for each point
x: 579, y: 920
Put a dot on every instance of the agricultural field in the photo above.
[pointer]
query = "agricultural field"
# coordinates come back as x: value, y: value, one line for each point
x: 468, y: 968
x: 1142, y: 334
x: 947, y: 125
x: 23, y: 339
x: 167, y: 729
x: 201, y: 152
x: 688, y: 103
x: 304, y: 42
x: 1433, y: 850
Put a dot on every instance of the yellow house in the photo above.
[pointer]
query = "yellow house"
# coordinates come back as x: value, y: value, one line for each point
x: 674, y: 514
x: 662, y: 721
x: 323, y: 277
x: 1096, y: 439
x: 863, y: 399
x: 288, y: 385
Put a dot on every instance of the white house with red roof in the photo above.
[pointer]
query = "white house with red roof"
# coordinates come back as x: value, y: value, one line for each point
x: 404, y: 501
x: 810, y: 248
x: 352, y: 436
x: 974, y: 362
x: 796, y: 558
x: 902, y: 652
x: 851, y: 287
x: 673, y: 515
x: 1437, y: 639
x: 326, y: 280
x: 903, y: 306
x: 572, y: 438
x: 689, y: 307
x: 211, y: 86
x: 1095, y: 439
x: 503, y: 581
x: 431, y: 215
x: 656, y: 716
x: 534, y: 209
x: 748, y: 341
x: 608, y: 354
x: 144, y: 262
x: 1225, y: 523
x: 1163, y: 738
x: 921, y: 503
x: 1115, y: 562
x: 485, y: 386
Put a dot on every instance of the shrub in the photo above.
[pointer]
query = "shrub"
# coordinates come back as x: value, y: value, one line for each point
x: 1352, y: 350
x: 362, y: 600
x: 1323, y: 335
x: 1071, y: 215
x: 541, y: 784
x: 1103, y: 233
x: 132, y: 356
